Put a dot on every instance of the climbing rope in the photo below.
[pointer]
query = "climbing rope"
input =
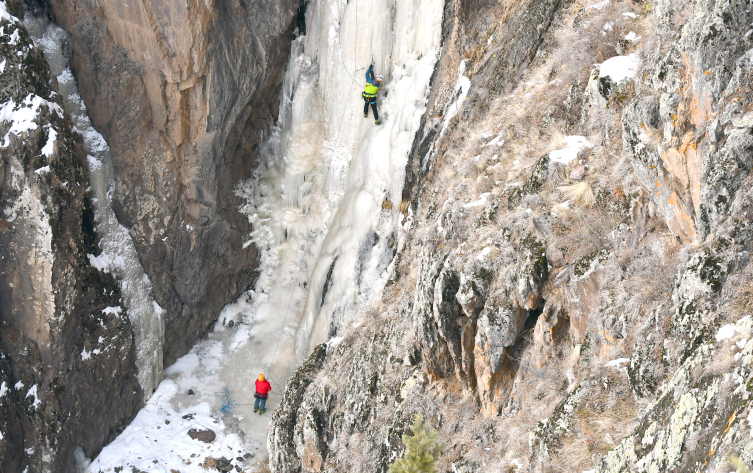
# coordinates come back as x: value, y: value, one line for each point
x: 227, y: 402
x: 326, y: 175
x: 339, y: 40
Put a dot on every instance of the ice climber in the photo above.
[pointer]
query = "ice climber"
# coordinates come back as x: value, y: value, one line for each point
x: 262, y: 389
x: 370, y: 93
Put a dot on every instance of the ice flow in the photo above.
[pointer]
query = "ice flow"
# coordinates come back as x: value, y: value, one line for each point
x: 322, y: 147
x: 118, y: 252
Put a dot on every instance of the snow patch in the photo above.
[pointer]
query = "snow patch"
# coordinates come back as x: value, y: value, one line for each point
x: 49, y: 147
x: 18, y: 385
x: 33, y: 392
x: 333, y: 342
x: 105, y: 263
x: 599, y: 6
x: 4, y: 15
x: 460, y: 90
x: 619, y: 68
x: 22, y: 116
x: 727, y: 332
x: 498, y: 141
x: 575, y: 144
x: 484, y: 253
x: 478, y: 203
x: 113, y: 310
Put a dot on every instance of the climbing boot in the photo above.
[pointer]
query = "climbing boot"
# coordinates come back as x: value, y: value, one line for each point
x: 366, y: 114
x: 262, y: 411
x: 377, y: 122
x: 256, y: 409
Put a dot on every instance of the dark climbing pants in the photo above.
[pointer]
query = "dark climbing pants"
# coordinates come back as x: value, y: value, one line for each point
x: 366, y: 104
x: 262, y: 401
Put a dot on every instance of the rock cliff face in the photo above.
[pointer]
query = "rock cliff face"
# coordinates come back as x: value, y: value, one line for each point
x: 573, y: 289
x: 67, y: 372
x: 182, y: 92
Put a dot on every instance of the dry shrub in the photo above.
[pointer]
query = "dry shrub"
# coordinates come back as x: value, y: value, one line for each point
x: 599, y: 424
x: 583, y: 231
x: 742, y: 301
x: 652, y: 273
x: 579, y: 193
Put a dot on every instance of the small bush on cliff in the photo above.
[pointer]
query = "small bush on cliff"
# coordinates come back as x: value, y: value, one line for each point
x: 422, y: 450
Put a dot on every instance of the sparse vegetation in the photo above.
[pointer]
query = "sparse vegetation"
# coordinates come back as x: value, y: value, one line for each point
x: 422, y: 450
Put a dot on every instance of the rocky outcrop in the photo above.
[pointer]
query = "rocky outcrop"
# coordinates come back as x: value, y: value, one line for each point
x: 182, y: 92
x: 543, y: 292
x: 686, y: 151
x: 67, y: 358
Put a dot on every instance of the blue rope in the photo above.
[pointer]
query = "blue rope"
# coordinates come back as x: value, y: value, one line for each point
x: 227, y: 401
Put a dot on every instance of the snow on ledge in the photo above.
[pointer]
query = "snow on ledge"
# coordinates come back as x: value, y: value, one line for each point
x: 619, y: 68
x: 575, y: 144
x: 112, y: 310
x: 617, y: 364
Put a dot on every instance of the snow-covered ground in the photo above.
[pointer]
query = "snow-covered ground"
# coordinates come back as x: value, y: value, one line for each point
x: 326, y: 172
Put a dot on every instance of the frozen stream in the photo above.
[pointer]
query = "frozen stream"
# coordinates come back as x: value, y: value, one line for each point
x: 118, y: 252
x: 325, y: 148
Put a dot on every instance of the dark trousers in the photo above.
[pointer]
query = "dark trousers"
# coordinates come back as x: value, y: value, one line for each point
x: 261, y: 401
x: 366, y: 104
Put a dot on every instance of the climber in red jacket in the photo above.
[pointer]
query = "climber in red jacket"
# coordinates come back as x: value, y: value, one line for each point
x: 262, y: 389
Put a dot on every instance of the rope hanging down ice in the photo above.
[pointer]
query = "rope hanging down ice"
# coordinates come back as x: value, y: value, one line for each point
x: 326, y: 174
x: 227, y: 402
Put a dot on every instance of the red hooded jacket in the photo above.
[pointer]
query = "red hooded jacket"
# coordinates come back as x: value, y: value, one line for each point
x: 263, y: 388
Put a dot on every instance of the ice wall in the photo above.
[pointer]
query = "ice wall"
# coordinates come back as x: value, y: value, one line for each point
x: 118, y: 252
x: 325, y: 146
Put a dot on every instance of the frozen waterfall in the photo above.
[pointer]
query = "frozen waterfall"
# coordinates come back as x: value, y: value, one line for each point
x: 118, y: 252
x: 322, y: 146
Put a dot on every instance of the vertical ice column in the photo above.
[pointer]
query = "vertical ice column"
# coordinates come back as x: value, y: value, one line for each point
x: 118, y: 251
x: 332, y: 180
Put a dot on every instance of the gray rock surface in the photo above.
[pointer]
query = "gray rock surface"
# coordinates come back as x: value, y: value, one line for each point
x: 183, y: 93
x: 67, y: 372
